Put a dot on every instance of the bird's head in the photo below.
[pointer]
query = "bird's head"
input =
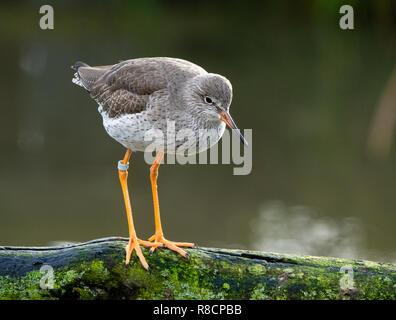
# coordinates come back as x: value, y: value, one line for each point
x: 210, y: 95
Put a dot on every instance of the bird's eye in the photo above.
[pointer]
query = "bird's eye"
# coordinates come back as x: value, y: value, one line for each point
x: 208, y: 100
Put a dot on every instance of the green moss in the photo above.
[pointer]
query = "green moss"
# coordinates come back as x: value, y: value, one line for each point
x: 259, y: 293
x: 256, y: 269
x: 23, y: 288
x: 203, y: 276
x: 226, y: 286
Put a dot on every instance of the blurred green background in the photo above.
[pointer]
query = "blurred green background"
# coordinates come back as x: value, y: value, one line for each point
x: 312, y: 93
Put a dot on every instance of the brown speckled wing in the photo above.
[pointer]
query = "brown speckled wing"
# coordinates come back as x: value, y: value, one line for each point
x: 125, y: 88
x: 139, y: 78
x: 120, y: 101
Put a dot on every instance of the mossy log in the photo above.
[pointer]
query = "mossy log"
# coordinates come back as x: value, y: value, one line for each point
x: 96, y: 270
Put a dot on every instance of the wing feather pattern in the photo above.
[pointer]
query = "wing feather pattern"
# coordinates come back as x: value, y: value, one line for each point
x: 126, y: 87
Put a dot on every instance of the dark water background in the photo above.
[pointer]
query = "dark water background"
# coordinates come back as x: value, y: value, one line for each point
x: 308, y: 89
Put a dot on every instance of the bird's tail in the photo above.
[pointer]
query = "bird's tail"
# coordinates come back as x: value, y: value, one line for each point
x: 86, y: 75
x: 77, y: 78
x: 79, y: 64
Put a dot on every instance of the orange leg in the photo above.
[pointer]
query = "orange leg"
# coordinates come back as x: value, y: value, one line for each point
x: 133, y: 240
x: 158, y: 237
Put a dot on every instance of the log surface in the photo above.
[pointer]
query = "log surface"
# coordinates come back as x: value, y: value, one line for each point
x: 96, y: 270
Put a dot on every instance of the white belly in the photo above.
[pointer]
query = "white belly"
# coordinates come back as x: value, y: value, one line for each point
x: 138, y: 133
x: 129, y: 130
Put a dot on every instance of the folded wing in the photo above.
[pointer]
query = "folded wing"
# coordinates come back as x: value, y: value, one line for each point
x: 125, y: 88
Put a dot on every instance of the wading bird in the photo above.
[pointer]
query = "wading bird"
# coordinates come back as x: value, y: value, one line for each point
x: 137, y: 95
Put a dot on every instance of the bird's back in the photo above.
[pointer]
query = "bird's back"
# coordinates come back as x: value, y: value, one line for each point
x: 141, y: 76
x: 125, y: 91
x: 125, y: 87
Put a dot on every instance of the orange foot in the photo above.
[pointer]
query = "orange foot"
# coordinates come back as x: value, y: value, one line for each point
x: 159, y: 241
x: 134, y: 245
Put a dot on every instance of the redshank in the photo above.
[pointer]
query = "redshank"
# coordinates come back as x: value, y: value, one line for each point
x: 138, y: 95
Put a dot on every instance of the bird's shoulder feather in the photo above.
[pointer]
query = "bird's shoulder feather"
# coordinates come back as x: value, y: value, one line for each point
x: 126, y: 87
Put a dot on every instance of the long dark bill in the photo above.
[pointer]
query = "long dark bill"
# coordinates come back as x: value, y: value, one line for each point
x: 226, y: 117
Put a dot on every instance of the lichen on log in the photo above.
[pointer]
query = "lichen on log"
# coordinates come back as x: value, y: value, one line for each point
x: 96, y: 270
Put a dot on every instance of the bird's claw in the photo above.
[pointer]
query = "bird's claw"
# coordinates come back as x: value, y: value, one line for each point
x: 134, y: 245
x: 160, y: 241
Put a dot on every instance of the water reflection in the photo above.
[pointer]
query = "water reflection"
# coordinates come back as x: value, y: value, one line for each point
x: 299, y: 229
